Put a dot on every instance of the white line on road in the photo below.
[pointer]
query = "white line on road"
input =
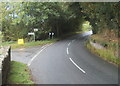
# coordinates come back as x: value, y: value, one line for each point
x: 77, y: 66
x: 69, y: 43
x: 67, y: 51
x: 43, y: 46
x: 73, y: 40
x: 29, y: 63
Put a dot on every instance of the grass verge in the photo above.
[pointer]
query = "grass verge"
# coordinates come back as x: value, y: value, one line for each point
x: 106, y: 54
x: 19, y: 74
x: 29, y: 44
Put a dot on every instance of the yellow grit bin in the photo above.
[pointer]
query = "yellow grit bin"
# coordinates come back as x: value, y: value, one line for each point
x: 20, y: 41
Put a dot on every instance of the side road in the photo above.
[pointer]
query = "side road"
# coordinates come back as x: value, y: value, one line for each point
x: 24, y: 55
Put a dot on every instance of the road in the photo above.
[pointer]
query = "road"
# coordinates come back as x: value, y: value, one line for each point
x: 69, y: 62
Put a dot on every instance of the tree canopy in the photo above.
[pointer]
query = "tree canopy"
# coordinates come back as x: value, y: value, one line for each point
x: 59, y: 17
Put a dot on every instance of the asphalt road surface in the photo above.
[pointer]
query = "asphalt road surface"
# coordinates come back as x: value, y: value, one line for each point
x: 69, y: 62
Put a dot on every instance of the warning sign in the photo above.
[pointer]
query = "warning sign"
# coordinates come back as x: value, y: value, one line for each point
x: 20, y: 41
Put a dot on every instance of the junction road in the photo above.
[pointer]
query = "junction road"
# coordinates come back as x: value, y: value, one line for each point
x: 69, y: 62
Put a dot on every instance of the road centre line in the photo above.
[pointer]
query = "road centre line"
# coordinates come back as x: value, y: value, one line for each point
x: 77, y: 66
x: 67, y: 51
x: 29, y: 63
x: 69, y: 43
x: 73, y: 40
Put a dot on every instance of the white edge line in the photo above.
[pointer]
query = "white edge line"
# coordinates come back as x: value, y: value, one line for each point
x: 35, y: 57
x: 29, y: 63
x: 67, y: 51
x: 43, y: 46
x: 77, y: 66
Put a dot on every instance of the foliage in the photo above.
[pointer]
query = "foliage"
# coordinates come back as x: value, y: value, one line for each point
x: 86, y: 26
x: 20, y: 18
x: 106, y: 54
x: 59, y: 17
x: 102, y: 15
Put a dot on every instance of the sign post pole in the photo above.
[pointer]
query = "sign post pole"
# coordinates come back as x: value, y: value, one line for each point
x: 49, y: 35
x: 32, y: 34
x: 35, y: 30
x: 34, y: 37
x: 52, y: 35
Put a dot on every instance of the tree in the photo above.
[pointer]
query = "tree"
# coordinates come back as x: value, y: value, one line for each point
x: 101, y: 15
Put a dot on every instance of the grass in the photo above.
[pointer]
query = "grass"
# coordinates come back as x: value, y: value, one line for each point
x: 19, y: 74
x: 109, y: 40
x: 29, y: 44
x: 112, y: 44
x: 106, y: 54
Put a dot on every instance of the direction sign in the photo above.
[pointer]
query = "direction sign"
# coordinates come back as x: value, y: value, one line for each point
x: 52, y: 33
x: 35, y: 29
x: 31, y: 33
x: 49, y: 33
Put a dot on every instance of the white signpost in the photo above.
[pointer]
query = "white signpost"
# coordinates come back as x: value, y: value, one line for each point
x: 31, y: 33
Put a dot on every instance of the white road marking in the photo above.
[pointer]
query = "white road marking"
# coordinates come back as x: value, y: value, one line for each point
x: 29, y: 63
x: 42, y: 46
x: 73, y: 40
x: 67, y: 51
x: 35, y: 56
x: 22, y: 49
x: 77, y: 66
x: 69, y: 43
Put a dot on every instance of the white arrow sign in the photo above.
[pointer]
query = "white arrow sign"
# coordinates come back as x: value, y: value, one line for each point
x: 52, y: 33
x: 35, y: 29
x: 31, y: 33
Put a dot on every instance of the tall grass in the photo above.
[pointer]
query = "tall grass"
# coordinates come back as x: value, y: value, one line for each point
x: 106, y: 54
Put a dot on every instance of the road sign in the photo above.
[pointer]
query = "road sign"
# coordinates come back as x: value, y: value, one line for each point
x: 49, y: 34
x: 35, y: 29
x: 31, y: 33
x: 52, y: 33
x: 20, y: 41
